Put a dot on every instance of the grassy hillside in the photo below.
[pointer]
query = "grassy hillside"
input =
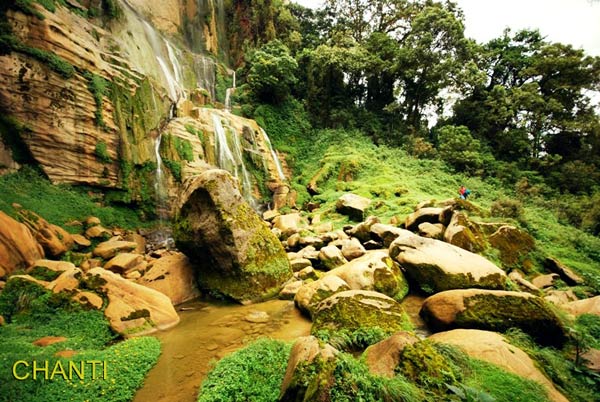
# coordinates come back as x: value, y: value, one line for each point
x: 61, y: 204
x: 339, y: 161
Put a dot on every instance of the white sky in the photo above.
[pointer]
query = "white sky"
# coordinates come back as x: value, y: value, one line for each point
x: 568, y: 21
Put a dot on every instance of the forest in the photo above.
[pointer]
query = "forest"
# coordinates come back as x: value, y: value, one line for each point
x: 518, y: 108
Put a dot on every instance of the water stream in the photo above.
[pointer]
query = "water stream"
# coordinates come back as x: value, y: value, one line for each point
x: 206, y: 334
x: 209, y: 331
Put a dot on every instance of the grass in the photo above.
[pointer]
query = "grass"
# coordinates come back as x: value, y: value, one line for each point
x: 35, y: 313
x: 59, y: 204
x: 253, y: 374
x: 340, y: 161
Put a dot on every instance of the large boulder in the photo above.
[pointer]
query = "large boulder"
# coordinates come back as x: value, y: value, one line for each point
x: 383, y: 357
x: 133, y: 310
x: 351, y: 249
x: 111, y: 248
x: 352, y: 205
x: 234, y: 251
x: 566, y: 274
x: 172, y: 275
x: 362, y: 231
x: 428, y: 214
x: 354, y: 310
x: 18, y: 248
x: 331, y: 257
x: 309, y: 371
x: 437, y: 266
x: 288, y: 224
x: 311, y: 294
x: 584, y: 306
x: 374, y: 271
x: 495, y: 311
x: 514, y: 244
x: 386, y: 234
x: 493, y: 348
x: 54, y: 240
x: 463, y: 233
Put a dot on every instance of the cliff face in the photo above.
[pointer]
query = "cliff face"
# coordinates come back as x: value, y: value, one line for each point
x: 86, y: 98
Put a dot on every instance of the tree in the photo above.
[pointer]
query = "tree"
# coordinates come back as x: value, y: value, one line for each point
x: 459, y: 149
x: 271, y: 72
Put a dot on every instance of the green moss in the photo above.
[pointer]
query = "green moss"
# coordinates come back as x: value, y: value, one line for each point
x: 431, y: 279
x: 351, y: 314
x: 98, y: 86
x: 44, y: 274
x: 499, y: 313
x: 424, y: 365
x: 101, y: 152
x: 175, y: 168
x: 253, y: 373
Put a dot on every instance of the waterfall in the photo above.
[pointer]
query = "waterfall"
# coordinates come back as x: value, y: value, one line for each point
x: 273, y: 154
x: 231, y: 160
x: 228, y: 94
x: 171, y: 74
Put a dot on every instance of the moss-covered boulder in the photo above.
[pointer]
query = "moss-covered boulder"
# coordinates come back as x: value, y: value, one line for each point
x: 359, y: 310
x: 352, y: 205
x: 383, y: 357
x: 514, y: 245
x: 374, y: 271
x: 309, y: 373
x: 464, y: 233
x: 331, y: 257
x: 311, y: 294
x: 233, y: 250
x: 436, y: 266
x: 495, y: 311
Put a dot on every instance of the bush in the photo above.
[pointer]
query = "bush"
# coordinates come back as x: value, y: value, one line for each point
x: 507, y: 208
x: 101, y: 152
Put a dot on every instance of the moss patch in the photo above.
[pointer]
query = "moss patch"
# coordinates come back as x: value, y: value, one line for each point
x: 499, y: 313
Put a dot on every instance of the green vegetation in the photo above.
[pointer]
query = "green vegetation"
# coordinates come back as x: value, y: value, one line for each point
x: 175, y: 168
x: 98, y: 86
x: 253, y: 373
x: 33, y: 313
x: 427, y: 372
x: 573, y: 381
x: 59, y: 204
x: 101, y: 152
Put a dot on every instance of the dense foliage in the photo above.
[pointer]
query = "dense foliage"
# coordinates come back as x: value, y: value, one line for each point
x: 517, y: 108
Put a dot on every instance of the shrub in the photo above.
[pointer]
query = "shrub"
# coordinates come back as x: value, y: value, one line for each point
x: 507, y: 208
x: 459, y: 149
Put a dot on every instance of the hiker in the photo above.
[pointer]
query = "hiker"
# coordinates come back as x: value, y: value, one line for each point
x: 464, y: 192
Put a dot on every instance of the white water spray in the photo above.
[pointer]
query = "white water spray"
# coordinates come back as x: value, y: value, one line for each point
x: 273, y: 154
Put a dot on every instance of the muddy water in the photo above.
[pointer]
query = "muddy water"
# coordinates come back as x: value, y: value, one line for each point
x: 209, y: 331
x: 206, y: 333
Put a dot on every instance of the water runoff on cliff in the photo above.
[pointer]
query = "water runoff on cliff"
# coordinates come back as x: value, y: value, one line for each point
x: 229, y: 150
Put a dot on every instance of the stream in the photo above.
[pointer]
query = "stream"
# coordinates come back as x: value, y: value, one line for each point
x: 208, y: 331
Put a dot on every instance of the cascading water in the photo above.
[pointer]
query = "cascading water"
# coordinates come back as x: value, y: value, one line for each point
x: 231, y: 160
x: 171, y: 74
x: 273, y: 154
x: 228, y: 94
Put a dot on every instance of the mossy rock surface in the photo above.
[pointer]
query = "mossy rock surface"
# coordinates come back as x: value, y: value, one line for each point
x: 494, y: 311
x: 436, y: 266
x: 374, y: 271
x: 514, y: 245
x: 234, y: 252
x: 354, y: 310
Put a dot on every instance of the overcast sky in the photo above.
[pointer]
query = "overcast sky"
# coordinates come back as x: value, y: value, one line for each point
x: 569, y: 21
